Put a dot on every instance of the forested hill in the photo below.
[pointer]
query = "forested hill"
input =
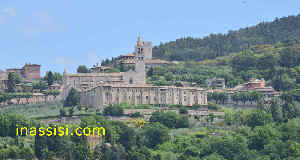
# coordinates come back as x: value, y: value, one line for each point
x: 216, y: 45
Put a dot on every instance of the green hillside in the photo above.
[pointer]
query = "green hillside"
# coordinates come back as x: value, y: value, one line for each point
x: 279, y: 64
x: 216, y: 45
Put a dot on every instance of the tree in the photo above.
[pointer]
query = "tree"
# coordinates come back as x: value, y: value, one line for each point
x: 244, y: 97
x: 276, y: 111
x: 49, y: 78
x: 53, y: 93
x: 183, y: 110
x: 28, y: 95
x: 155, y: 134
x: 57, y: 76
x: 82, y: 69
x: 113, y: 110
x: 255, y: 96
x: 62, y: 112
x: 263, y: 135
x: 107, y: 152
x: 13, y: 79
x: 258, y: 117
x: 169, y: 76
x: 71, y: 111
x: 72, y: 99
x: 170, y: 119
x: 41, y: 85
x: 236, y: 97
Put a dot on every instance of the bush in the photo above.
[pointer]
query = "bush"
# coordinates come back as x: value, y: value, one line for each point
x: 196, y: 106
x: 135, y: 115
x: 183, y: 110
x: 113, y: 110
x: 212, y: 106
x: 170, y: 119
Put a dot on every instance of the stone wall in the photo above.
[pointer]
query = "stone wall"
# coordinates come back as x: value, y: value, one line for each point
x: 115, y: 94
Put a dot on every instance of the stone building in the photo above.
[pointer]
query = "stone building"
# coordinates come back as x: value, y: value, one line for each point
x: 28, y: 71
x: 130, y: 58
x: 104, y: 95
x: 83, y: 81
x: 218, y: 83
x: 3, y: 80
x: 102, y: 89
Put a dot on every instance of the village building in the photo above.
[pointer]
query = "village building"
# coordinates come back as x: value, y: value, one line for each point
x: 218, y: 83
x: 250, y: 86
x: 27, y: 72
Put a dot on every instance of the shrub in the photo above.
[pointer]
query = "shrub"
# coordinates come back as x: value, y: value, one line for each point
x: 196, y: 106
x: 212, y: 106
x: 183, y: 110
x: 135, y: 115
x: 113, y: 110
x: 170, y: 119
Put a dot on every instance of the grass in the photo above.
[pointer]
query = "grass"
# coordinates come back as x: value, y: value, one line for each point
x: 43, y: 110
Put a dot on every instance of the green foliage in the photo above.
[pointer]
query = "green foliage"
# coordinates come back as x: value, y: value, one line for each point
x: 113, y: 110
x: 82, y: 69
x: 56, y: 77
x: 41, y: 85
x: 218, y: 97
x: 73, y: 98
x: 276, y: 111
x: 258, y: 117
x: 170, y: 119
x: 106, y: 152
x: 136, y: 115
x: 49, y: 78
x: 13, y: 79
x: 155, y: 134
x: 62, y: 112
x: 183, y: 110
x: 212, y: 106
x: 216, y: 45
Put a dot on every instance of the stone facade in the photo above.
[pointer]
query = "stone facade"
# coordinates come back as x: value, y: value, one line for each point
x: 103, y: 89
x: 105, y: 95
x: 27, y: 72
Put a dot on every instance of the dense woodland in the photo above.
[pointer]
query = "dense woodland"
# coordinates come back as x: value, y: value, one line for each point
x: 216, y: 45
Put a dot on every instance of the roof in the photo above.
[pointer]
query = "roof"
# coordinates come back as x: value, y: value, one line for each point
x: 128, y: 55
x: 32, y: 65
x: 146, y: 86
x: 96, y: 74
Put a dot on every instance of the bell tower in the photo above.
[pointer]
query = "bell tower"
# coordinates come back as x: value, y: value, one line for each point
x: 140, y: 71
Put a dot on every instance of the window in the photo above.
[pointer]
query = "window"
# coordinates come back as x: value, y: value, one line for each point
x: 130, y: 80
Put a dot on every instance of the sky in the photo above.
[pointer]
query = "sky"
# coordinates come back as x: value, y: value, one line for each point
x: 62, y: 34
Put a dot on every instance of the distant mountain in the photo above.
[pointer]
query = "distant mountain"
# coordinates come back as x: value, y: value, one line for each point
x: 216, y: 45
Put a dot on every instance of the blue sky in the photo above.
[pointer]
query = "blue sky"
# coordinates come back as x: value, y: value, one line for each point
x: 62, y: 34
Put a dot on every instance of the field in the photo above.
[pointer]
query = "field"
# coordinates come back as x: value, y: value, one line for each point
x: 42, y: 110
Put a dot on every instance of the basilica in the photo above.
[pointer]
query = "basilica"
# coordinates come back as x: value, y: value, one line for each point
x: 100, y: 89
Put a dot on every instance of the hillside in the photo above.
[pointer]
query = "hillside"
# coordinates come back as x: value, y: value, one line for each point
x: 216, y: 45
x: 279, y: 64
